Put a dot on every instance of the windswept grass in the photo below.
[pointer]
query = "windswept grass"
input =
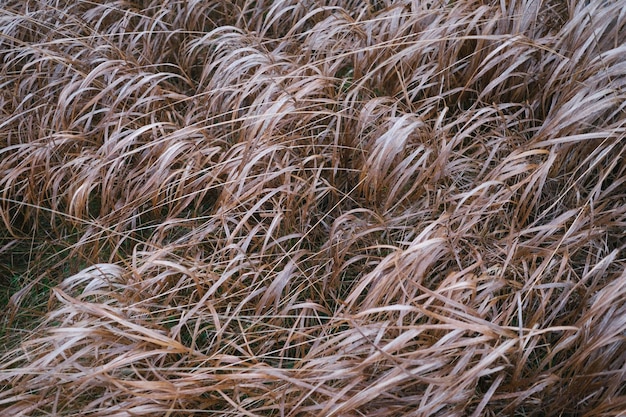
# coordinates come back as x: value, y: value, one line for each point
x: 306, y: 208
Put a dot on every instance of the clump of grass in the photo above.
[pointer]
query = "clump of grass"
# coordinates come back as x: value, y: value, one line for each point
x: 288, y: 208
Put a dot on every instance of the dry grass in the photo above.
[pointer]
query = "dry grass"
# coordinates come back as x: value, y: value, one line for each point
x: 284, y: 208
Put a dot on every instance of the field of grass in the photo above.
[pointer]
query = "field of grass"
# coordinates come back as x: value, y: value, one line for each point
x: 313, y: 208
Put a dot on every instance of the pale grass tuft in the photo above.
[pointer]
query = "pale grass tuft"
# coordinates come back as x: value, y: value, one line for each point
x: 288, y: 208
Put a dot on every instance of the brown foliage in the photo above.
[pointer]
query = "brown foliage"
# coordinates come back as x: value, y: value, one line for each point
x: 291, y: 208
